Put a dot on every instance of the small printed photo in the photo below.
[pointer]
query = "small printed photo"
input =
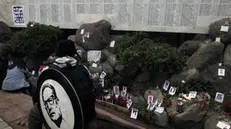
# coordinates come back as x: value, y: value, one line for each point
x: 223, y: 125
x: 129, y: 104
x: 101, y: 81
x: 103, y: 74
x: 150, y: 99
x: 172, y: 90
x: 166, y: 85
x: 219, y: 97
x: 123, y: 94
x: 221, y: 72
x: 129, y: 96
x: 192, y: 94
x: 134, y: 113
x: 159, y: 110
x: 116, y: 90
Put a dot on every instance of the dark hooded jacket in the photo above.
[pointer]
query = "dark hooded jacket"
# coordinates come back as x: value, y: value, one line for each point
x: 78, y: 75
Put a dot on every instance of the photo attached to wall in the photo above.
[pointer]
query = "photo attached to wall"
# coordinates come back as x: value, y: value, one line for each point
x: 166, y: 85
x: 219, y: 97
x: 18, y: 14
x: 223, y: 125
x: 134, y: 113
x: 172, y: 90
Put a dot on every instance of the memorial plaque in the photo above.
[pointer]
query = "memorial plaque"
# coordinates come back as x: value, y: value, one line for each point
x: 186, y: 16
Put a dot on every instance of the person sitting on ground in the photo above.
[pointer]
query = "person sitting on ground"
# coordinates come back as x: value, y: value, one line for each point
x: 80, y: 78
x: 16, y: 77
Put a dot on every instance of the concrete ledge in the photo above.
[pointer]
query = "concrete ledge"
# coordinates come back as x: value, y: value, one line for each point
x: 121, y: 115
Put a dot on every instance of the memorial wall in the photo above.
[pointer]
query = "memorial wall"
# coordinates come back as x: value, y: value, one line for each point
x: 186, y: 16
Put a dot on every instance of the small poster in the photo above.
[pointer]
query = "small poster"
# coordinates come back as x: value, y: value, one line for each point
x: 18, y: 14
x: 223, y: 125
x: 224, y: 28
x: 159, y: 109
x: 221, y: 72
x: 192, y: 94
x: 172, y: 90
x: 219, y: 97
x: 166, y: 85
x: 103, y: 74
x: 112, y: 44
x: 150, y: 99
x: 129, y: 104
x: 93, y: 56
x: 134, y: 113
x: 116, y: 90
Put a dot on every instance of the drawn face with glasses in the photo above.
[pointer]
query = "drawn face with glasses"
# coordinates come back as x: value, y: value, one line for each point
x: 51, y: 103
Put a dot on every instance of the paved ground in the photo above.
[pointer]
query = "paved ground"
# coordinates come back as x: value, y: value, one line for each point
x: 15, y: 107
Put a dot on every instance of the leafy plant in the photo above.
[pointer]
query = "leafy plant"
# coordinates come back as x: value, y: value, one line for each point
x: 138, y: 51
x: 198, y: 85
x: 36, y: 40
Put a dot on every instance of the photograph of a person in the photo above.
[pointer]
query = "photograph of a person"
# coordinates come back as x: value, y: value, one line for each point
x: 192, y: 94
x: 150, y: 99
x: 166, y: 85
x: 172, y: 90
x: 134, y: 113
x: 51, y: 103
x: 219, y: 97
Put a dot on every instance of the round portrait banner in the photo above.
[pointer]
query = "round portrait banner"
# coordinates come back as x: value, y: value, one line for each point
x: 58, y: 101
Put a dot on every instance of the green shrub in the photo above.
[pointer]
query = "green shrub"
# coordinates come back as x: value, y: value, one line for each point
x: 137, y: 51
x: 196, y: 85
x: 36, y: 40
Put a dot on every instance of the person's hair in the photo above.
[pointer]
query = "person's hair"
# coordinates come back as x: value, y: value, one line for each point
x: 65, y: 48
x: 52, y: 88
x: 17, y: 62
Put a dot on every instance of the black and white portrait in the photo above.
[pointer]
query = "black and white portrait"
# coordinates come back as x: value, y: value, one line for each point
x: 166, y: 85
x: 172, y: 90
x: 134, y: 113
x: 219, y: 97
x: 192, y: 94
x: 51, y: 103
x: 103, y: 74
x: 150, y: 99
x: 56, y: 105
x: 129, y: 96
x: 116, y: 90
x: 221, y: 72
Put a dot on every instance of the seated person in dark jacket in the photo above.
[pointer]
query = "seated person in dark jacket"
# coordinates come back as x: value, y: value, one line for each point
x: 80, y: 78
